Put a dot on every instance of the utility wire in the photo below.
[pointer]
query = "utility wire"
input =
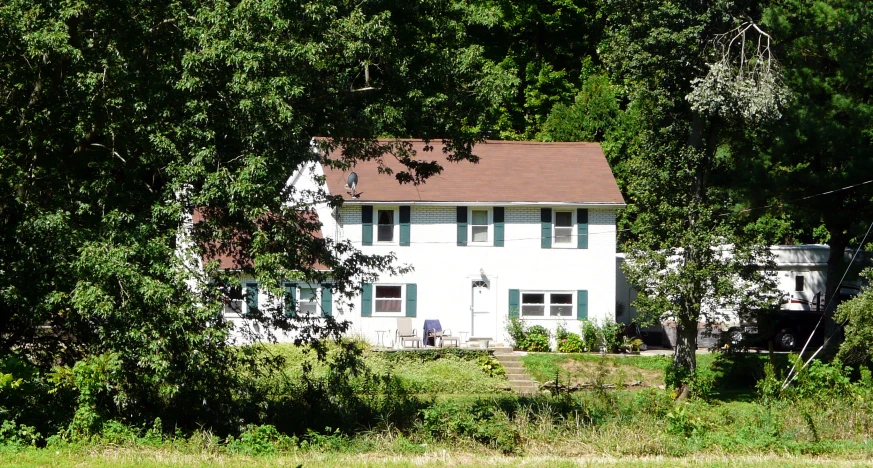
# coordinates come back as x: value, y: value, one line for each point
x: 791, y: 202
x: 746, y: 210
x: 791, y: 374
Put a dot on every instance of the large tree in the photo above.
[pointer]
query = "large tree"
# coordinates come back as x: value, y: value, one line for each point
x: 120, y: 117
x: 825, y: 142
x: 693, y: 97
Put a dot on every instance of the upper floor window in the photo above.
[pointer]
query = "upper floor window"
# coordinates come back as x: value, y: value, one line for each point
x: 479, y: 225
x: 385, y: 222
x: 563, y: 228
x: 798, y: 283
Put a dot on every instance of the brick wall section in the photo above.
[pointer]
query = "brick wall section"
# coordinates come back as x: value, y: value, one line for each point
x: 522, y: 215
x: 433, y: 215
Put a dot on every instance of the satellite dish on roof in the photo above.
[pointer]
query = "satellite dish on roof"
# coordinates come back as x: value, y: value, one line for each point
x: 351, y: 184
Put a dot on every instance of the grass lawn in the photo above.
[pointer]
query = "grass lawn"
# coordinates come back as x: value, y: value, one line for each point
x: 733, y: 375
x: 416, y: 373
x: 146, y: 458
x: 451, y: 412
x: 591, y: 368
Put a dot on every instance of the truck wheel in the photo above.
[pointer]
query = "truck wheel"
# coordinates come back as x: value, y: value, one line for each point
x: 786, y: 339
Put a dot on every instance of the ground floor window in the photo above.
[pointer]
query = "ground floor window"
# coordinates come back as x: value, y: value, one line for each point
x: 307, y: 300
x: 547, y: 304
x: 389, y: 298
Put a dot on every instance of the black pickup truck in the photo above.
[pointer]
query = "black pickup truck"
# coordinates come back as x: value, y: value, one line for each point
x: 787, y: 329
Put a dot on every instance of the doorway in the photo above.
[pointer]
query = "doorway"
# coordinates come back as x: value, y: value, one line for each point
x: 482, y: 308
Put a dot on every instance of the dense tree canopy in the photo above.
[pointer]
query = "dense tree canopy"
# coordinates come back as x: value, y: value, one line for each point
x: 824, y: 142
x: 119, y: 118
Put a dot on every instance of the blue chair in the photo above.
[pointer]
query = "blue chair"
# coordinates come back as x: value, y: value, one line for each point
x: 433, y: 331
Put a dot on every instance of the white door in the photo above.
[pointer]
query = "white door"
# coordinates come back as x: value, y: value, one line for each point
x: 483, y: 309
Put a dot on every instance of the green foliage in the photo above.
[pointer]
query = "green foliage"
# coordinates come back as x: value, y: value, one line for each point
x: 680, y: 422
x: 594, y: 114
x: 260, y: 440
x: 491, y: 366
x: 17, y: 435
x: 822, y: 381
x: 683, y: 170
x: 528, y: 338
x: 825, y: 125
x: 857, y: 313
x: 435, y: 354
x: 610, y: 333
x: 589, y: 335
x: 538, y: 339
x: 95, y: 380
x: 569, y: 342
x: 481, y: 421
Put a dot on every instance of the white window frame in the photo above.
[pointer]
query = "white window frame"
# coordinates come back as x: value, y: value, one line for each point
x: 395, y: 237
x: 489, y: 223
x: 317, y: 300
x: 568, y: 245
x: 547, y: 303
x: 402, y: 312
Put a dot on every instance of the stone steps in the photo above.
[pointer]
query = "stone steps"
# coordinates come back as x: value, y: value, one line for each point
x: 520, y: 381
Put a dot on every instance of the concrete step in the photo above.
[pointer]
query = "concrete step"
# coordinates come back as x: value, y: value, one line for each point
x: 518, y: 378
x: 507, y: 357
x: 527, y: 390
x: 512, y: 365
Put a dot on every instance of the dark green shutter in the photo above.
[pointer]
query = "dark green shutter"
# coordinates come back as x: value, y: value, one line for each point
x: 326, y: 300
x: 582, y: 228
x: 251, y: 299
x: 514, y: 305
x: 546, y: 222
x: 404, y: 225
x: 367, y: 225
x: 462, y: 225
x: 582, y: 304
x: 498, y: 226
x: 290, y: 299
x: 411, y: 299
x: 367, y: 300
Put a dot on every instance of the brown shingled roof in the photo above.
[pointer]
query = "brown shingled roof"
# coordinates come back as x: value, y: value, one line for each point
x: 232, y: 255
x: 508, y: 172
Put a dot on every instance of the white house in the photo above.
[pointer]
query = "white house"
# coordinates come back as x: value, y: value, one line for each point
x: 529, y: 231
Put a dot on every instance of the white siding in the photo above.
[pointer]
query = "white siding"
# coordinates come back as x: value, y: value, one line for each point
x: 444, y: 271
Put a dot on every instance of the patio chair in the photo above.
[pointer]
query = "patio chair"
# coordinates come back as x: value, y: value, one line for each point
x: 406, y: 334
x: 434, y: 331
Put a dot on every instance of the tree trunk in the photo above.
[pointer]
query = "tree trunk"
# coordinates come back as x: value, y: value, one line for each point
x: 686, y: 346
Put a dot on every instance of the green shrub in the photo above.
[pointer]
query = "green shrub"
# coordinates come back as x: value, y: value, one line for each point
x: 524, y: 338
x: 515, y: 328
x: 570, y: 343
x: 589, y: 335
x: 653, y: 402
x: 538, y: 339
x: 491, y: 366
x: 13, y: 434
x: 681, y: 422
x: 428, y: 355
x: 482, y: 421
x: 610, y: 333
x: 260, y: 440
